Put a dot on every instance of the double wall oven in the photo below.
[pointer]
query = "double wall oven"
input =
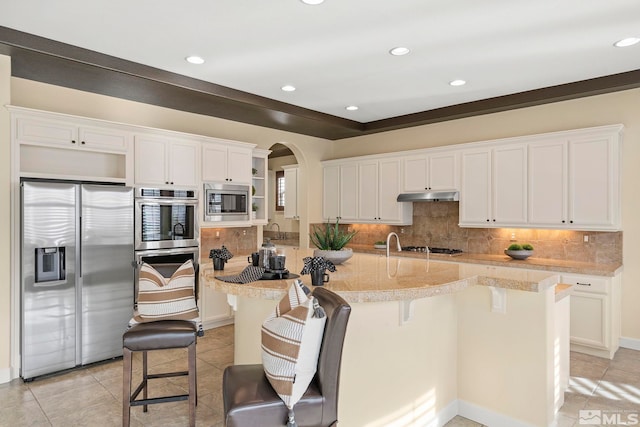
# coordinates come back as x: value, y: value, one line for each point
x: 166, y: 228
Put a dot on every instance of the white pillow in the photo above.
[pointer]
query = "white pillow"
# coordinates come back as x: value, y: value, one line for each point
x: 291, y: 339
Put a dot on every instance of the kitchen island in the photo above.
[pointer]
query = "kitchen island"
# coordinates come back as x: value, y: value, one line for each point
x: 428, y: 340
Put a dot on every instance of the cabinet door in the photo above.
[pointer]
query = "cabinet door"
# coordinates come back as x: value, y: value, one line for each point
x: 443, y: 171
x: 103, y: 139
x: 46, y: 132
x: 368, y: 191
x: 475, y: 187
x: 593, y: 181
x: 291, y: 193
x: 509, y: 189
x: 415, y: 174
x: 150, y: 161
x: 389, y: 209
x: 183, y: 164
x: 349, y: 192
x: 239, y: 165
x: 214, y: 162
x: 547, y: 183
x: 330, y: 193
x: 213, y: 306
x: 588, y: 319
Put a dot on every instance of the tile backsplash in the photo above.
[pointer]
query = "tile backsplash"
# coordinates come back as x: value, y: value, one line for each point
x: 436, y: 224
x: 239, y: 241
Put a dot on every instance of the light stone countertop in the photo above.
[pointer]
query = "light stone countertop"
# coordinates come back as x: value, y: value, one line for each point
x: 532, y: 263
x: 375, y: 278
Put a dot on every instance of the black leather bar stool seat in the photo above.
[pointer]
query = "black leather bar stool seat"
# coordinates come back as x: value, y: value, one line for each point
x: 160, y: 335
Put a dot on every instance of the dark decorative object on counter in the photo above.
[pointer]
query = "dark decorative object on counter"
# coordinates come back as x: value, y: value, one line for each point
x: 316, y: 267
x: 220, y: 257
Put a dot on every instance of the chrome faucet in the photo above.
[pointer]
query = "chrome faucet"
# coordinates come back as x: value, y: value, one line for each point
x: 278, y: 236
x: 397, y: 240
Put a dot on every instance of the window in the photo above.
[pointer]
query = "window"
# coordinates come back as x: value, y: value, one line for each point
x: 280, y: 190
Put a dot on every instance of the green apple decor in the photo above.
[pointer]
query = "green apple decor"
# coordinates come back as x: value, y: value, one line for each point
x: 517, y: 251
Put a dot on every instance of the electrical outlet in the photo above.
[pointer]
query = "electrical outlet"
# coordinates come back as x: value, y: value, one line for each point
x: 217, y: 234
x: 513, y: 237
x: 244, y: 232
x: 586, y: 238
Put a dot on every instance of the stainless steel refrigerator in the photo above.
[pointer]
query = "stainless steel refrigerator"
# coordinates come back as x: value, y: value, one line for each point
x: 77, y: 274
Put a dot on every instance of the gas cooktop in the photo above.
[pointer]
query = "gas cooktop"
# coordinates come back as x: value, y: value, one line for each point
x: 445, y: 251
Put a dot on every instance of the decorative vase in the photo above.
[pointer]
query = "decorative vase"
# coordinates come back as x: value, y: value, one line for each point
x: 218, y: 263
x: 336, y: 257
x: 521, y: 254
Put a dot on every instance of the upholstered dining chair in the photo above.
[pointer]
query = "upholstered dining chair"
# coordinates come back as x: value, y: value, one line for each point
x: 162, y: 335
x: 250, y: 400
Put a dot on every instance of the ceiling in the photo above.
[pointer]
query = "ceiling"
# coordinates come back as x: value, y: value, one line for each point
x: 336, y: 54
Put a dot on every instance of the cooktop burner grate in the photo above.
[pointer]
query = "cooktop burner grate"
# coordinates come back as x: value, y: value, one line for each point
x: 446, y: 251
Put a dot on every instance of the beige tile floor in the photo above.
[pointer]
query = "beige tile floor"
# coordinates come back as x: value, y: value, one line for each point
x: 92, y: 396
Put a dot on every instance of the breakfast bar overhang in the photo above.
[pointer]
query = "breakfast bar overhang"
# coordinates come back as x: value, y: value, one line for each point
x: 429, y: 340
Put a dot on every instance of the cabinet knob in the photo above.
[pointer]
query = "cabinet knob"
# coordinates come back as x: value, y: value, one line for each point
x: 571, y: 222
x: 494, y: 220
x: 563, y: 221
x: 487, y: 219
x: 82, y: 143
x: 73, y: 141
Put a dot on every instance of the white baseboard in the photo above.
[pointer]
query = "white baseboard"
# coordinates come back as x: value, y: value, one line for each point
x: 5, y: 375
x: 630, y: 343
x: 217, y: 323
x: 487, y: 417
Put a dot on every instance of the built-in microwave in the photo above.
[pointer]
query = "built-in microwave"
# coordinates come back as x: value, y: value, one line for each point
x: 226, y: 202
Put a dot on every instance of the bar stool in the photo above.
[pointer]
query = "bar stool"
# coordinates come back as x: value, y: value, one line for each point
x: 160, y: 335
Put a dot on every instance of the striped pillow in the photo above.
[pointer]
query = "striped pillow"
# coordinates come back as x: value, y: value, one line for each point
x: 291, y: 338
x: 160, y: 298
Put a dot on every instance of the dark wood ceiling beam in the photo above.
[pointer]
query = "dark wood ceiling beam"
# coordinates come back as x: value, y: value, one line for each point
x: 564, y: 92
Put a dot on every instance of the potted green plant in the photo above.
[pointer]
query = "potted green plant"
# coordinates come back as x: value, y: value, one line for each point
x: 380, y: 244
x: 330, y: 242
x: 517, y: 251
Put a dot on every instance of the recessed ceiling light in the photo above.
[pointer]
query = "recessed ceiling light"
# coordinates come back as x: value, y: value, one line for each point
x: 399, y: 51
x: 194, y: 60
x: 288, y: 88
x: 312, y: 2
x: 457, y: 82
x: 351, y: 108
x: 629, y: 41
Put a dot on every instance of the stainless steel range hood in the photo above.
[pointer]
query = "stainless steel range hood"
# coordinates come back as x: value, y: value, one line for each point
x: 430, y: 196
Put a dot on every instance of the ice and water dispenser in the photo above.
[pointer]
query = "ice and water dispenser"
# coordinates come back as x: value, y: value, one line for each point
x: 50, y: 264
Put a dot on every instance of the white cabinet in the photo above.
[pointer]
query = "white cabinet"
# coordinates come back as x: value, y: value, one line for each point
x: 574, y: 181
x: 330, y: 193
x: 55, y: 146
x: 595, y: 314
x: 378, y: 189
x: 365, y: 191
x: 437, y: 171
x: 291, y: 189
x: 494, y: 186
x: 226, y: 163
x: 348, y: 192
x: 259, y: 197
x: 70, y: 135
x: 214, y: 309
x: 164, y: 161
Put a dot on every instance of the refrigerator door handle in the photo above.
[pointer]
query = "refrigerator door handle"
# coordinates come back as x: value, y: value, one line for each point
x: 81, y: 245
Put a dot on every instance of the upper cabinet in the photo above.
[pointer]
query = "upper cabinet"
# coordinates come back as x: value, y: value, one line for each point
x: 365, y: 192
x: 259, y: 187
x: 494, y: 187
x: 163, y: 161
x: 574, y: 180
x: 437, y: 171
x: 57, y: 146
x: 226, y: 162
x: 291, y: 174
x: 563, y: 180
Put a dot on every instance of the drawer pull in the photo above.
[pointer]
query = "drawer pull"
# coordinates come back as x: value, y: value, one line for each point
x: 583, y: 284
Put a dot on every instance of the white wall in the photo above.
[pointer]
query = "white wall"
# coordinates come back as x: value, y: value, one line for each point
x: 5, y: 223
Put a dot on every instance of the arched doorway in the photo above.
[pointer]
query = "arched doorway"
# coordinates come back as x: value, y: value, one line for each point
x: 284, y: 224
